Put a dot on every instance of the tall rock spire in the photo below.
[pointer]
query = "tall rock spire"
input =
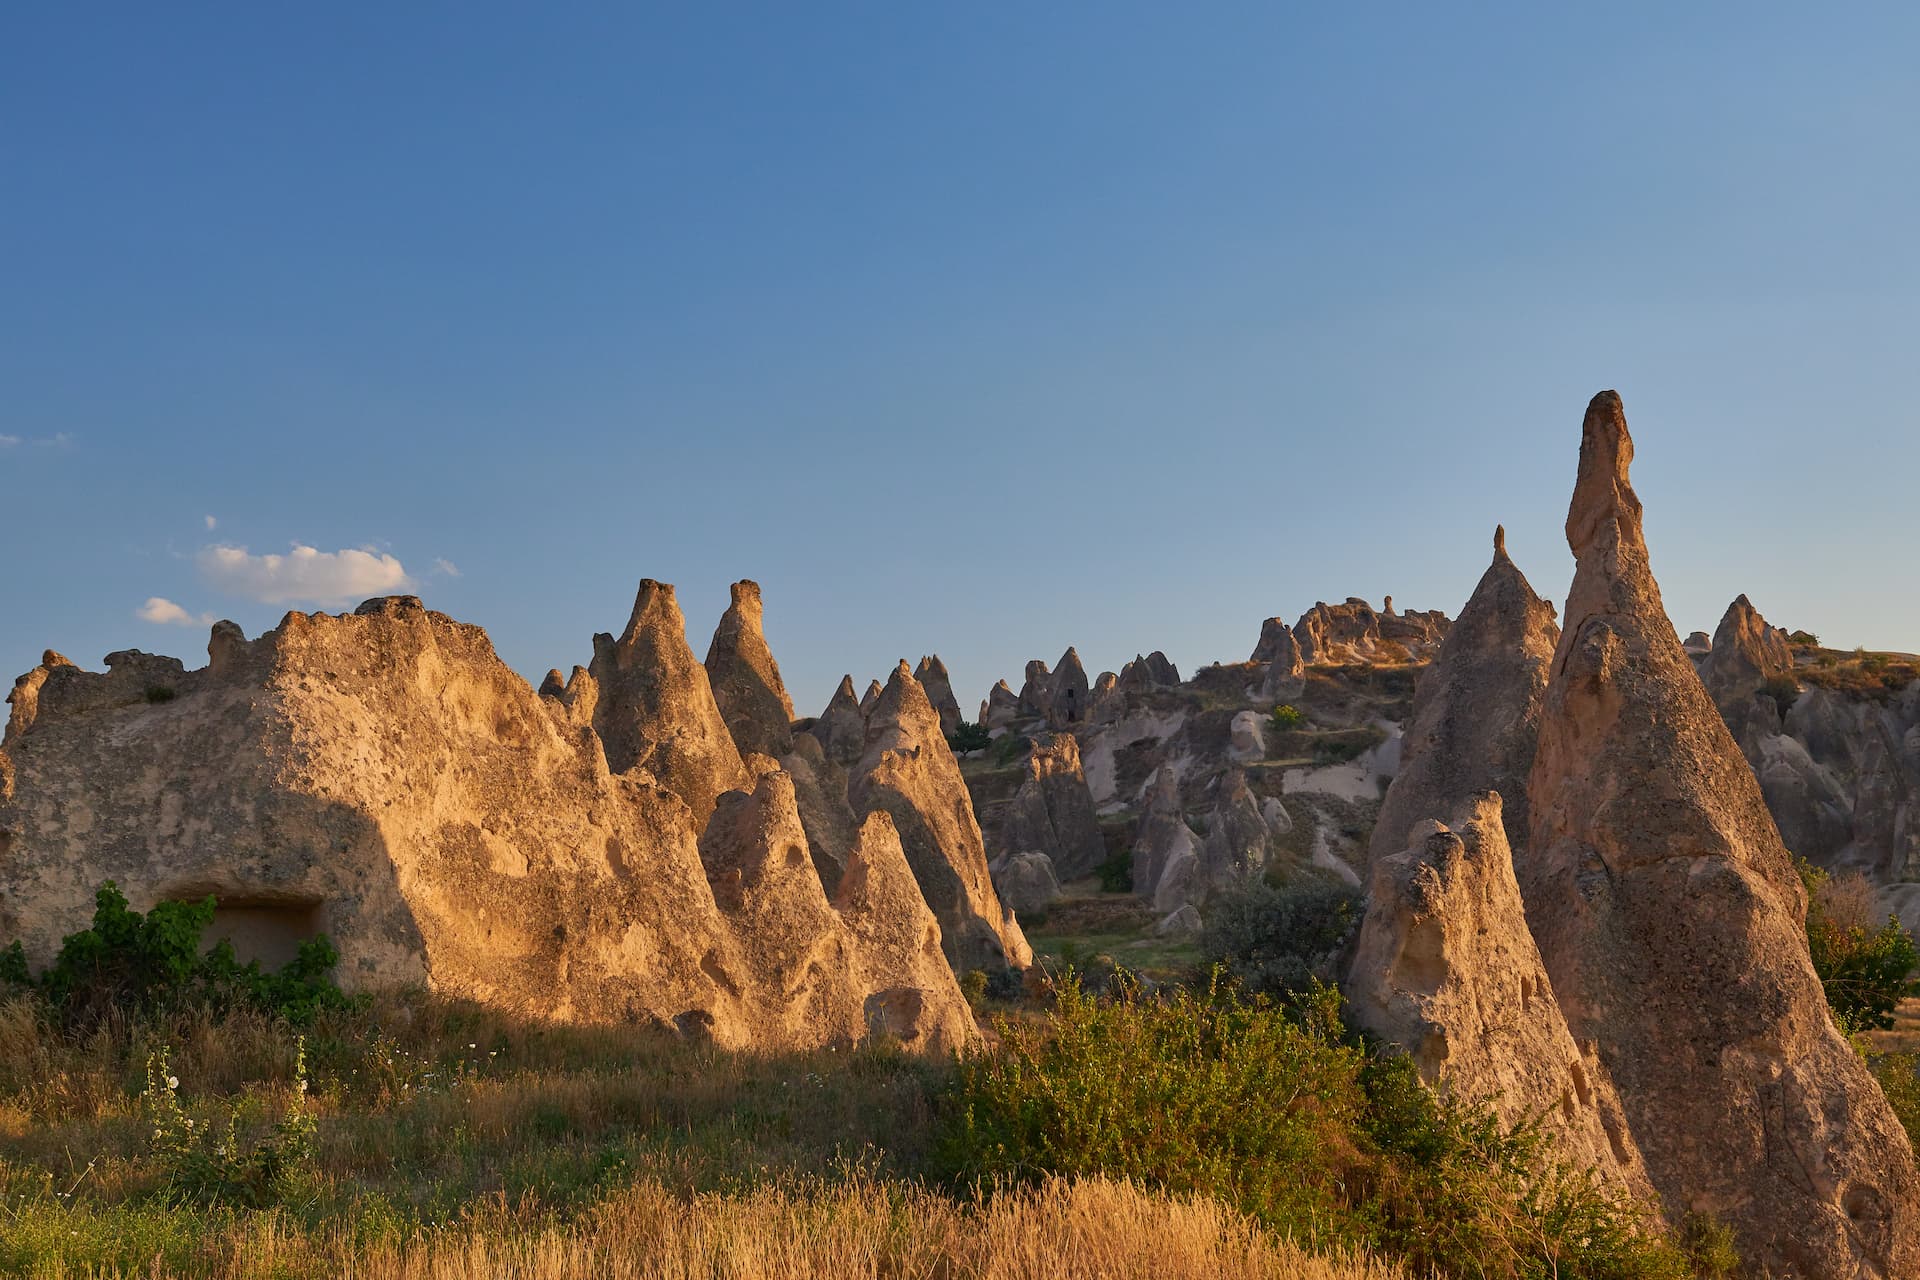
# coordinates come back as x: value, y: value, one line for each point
x: 1670, y: 920
x: 746, y: 680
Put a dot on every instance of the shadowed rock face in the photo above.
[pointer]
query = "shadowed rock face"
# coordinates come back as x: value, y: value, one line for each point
x: 1001, y: 708
x: 656, y: 709
x: 746, y: 680
x: 381, y: 776
x: 909, y: 772
x: 1670, y: 921
x: 842, y: 728
x: 1166, y: 856
x: 932, y: 675
x: 1053, y: 813
x: 1476, y: 712
x: 1446, y: 969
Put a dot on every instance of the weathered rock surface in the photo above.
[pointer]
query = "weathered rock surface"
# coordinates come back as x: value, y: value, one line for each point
x: 871, y: 698
x: 1476, y: 711
x: 1150, y: 672
x: 1747, y: 656
x: 909, y: 771
x: 1026, y: 882
x: 1236, y: 847
x: 1001, y: 708
x: 746, y: 680
x: 1445, y: 968
x: 1286, y: 671
x: 841, y: 729
x: 820, y: 791
x: 381, y: 776
x: 1338, y: 633
x: 1166, y: 856
x: 656, y: 709
x: 932, y: 675
x: 1670, y: 921
x: 1052, y: 812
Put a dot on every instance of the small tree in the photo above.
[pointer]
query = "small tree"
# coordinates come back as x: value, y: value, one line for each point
x: 1865, y: 972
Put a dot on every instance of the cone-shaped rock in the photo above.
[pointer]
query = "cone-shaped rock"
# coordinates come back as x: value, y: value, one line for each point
x: 871, y: 698
x: 1237, y: 842
x: 820, y: 789
x: 1068, y: 691
x: 746, y: 680
x: 1052, y: 813
x: 932, y: 675
x: 1001, y: 708
x: 1446, y: 969
x: 1670, y: 921
x: 1476, y: 712
x: 656, y: 710
x: 1746, y: 656
x: 909, y: 771
x: 842, y: 728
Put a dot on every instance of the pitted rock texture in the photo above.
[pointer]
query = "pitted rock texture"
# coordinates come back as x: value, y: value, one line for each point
x: 1476, y: 711
x: 841, y: 729
x: 1445, y: 968
x: 746, y: 680
x: 909, y: 772
x: 382, y: 777
x: 1052, y: 812
x: 1670, y: 921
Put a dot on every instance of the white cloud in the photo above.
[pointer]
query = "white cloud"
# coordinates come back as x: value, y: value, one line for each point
x: 7, y: 442
x: 164, y: 612
x: 211, y: 523
x: 59, y: 440
x: 303, y: 575
x: 448, y: 567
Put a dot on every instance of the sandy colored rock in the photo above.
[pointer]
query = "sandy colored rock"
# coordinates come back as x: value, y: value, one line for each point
x: 746, y: 680
x: 871, y: 698
x: 1670, y: 922
x: 656, y: 710
x: 932, y: 675
x: 1001, y: 708
x: 1445, y: 968
x: 1476, y: 710
x: 909, y: 772
x: 841, y: 729
x: 820, y: 791
x: 1285, y: 675
x: 1246, y: 737
x: 1337, y: 634
x: 1052, y: 812
x: 382, y: 777
x: 1068, y: 691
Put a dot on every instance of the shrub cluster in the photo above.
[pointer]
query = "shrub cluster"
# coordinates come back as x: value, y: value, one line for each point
x: 1865, y: 971
x: 968, y: 736
x: 1279, y: 939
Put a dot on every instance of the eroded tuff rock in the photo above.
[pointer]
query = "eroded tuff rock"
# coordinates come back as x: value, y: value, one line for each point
x: 1445, y: 968
x: 1745, y: 658
x: 1286, y: 670
x: 820, y: 791
x: 932, y: 675
x: 909, y: 771
x: 1001, y: 708
x: 1476, y: 710
x: 1338, y: 633
x: 1150, y: 672
x: 1052, y: 812
x: 381, y: 776
x: 1670, y: 921
x: 746, y: 680
x: 656, y: 709
x: 871, y: 698
x: 1026, y: 882
x: 841, y: 729
x: 1236, y: 846
x: 1166, y: 856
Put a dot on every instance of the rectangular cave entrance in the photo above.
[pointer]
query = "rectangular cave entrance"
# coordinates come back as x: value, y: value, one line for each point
x: 270, y: 932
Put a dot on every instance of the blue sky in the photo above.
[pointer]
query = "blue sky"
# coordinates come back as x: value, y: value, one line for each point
x: 980, y: 329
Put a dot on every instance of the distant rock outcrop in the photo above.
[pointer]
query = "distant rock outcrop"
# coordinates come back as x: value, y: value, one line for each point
x: 656, y: 709
x: 381, y: 776
x: 1476, y: 710
x: 1150, y: 672
x: 1670, y: 920
x: 1446, y: 969
x: 746, y: 680
x: 1001, y: 708
x: 841, y: 729
x: 1746, y: 657
x: 1286, y: 671
x: 1236, y: 846
x: 932, y: 675
x: 1052, y: 812
x: 909, y: 771
x: 1166, y: 856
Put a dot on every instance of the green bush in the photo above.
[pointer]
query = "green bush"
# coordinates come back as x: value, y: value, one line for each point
x: 1276, y: 1111
x: 968, y: 736
x: 1899, y: 1077
x: 207, y: 1165
x: 1009, y: 747
x: 1866, y: 974
x: 1116, y: 873
x: 1287, y: 717
x: 134, y: 964
x: 1277, y: 939
x: 1784, y: 690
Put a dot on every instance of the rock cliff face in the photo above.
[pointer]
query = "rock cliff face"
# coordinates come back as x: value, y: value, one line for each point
x: 656, y: 709
x: 909, y: 772
x: 1476, y: 711
x: 1670, y: 922
x: 746, y: 680
x: 1446, y: 968
x: 382, y: 777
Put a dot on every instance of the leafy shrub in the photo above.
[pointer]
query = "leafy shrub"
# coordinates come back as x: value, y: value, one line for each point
x: 973, y: 985
x: 1277, y: 939
x: 1275, y: 1111
x: 1116, y: 873
x: 130, y: 963
x: 1784, y: 690
x: 1899, y: 1077
x: 968, y: 736
x: 1866, y: 973
x: 1010, y: 747
x: 206, y: 1166
x: 1287, y: 717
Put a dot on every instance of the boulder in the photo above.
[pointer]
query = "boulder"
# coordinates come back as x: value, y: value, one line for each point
x: 1476, y: 710
x: 1671, y: 928
x: 656, y: 710
x: 1697, y: 644
x: 1183, y: 922
x: 1026, y: 882
x: 746, y: 680
x: 1246, y: 737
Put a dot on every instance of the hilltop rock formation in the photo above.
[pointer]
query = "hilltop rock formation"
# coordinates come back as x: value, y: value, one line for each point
x: 1746, y: 657
x: 656, y: 709
x: 932, y: 675
x: 1338, y: 633
x: 1476, y: 711
x: 746, y: 680
x: 1445, y: 968
x: 1670, y: 921
x: 381, y: 776
x: 871, y: 698
x: 1286, y: 669
x: 909, y: 771
x: 1052, y: 812
x: 1001, y: 708
x: 1150, y: 672
x: 841, y: 729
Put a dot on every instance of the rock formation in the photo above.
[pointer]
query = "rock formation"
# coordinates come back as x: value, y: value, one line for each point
x: 1286, y: 671
x: 1445, y: 968
x: 841, y: 729
x: 1026, y: 882
x: 746, y: 680
x: 656, y: 709
x: 382, y: 777
x: 820, y: 791
x: 1166, y: 856
x: 1670, y: 921
x: 1052, y: 812
x: 1746, y: 657
x: 1068, y: 691
x: 932, y: 675
x: 1236, y: 845
x: 871, y: 698
x: 1150, y: 672
x: 1333, y: 634
x: 1476, y: 711
x: 909, y: 771
x: 1001, y: 708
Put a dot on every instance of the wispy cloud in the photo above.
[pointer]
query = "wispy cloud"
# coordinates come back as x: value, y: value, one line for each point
x: 58, y: 440
x: 444, y: 566
x: 211, y: 524
x: 303, y: 575
x: 8, y: 442
x: 164, y: 612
